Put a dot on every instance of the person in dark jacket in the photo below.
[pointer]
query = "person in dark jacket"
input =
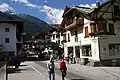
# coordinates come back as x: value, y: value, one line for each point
x: 16, y: 61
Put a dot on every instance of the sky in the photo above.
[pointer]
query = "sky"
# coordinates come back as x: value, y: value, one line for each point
x: 50, y: 11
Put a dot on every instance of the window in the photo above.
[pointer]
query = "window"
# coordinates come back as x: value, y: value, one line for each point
x: 6, y: 29
x: 68, y: 37
x: 86, y: 51
x: 111, y: 28
x: 102, y: 27
x: 86, y: 32
x: 7, y: 40
x: 114, y: 49
x: 77, y: 51
x: 64, y: 37
x: 53, y: 36
x: 116, y: 11
x: 76, y: 37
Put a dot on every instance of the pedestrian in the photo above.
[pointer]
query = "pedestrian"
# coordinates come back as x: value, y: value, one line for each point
x: 50, y: 67
x: 68, y: 58
x: 71, y: 57
x: 16, y: 61
x: 63, y: 68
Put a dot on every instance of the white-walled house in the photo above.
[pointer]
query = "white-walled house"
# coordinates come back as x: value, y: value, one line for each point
x: 11, y: 36
x: 57, y: 35
x: 92, y: 35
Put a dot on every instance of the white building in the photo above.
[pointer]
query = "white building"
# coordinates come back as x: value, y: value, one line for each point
x: 57, y: 35
x: 92, y: 35
x: 10, y: 33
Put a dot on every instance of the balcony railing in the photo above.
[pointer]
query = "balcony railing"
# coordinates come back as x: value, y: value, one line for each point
x: 76, y: 23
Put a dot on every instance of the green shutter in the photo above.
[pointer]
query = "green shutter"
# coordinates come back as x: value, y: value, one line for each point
x: 111, y: 28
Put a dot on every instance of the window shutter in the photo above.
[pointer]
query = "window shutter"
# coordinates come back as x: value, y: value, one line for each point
x: 111, y: 28
x: 86, y: 32
x: 96, y: 28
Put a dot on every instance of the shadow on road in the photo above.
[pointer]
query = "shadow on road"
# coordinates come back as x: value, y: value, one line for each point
x: 11, y: 71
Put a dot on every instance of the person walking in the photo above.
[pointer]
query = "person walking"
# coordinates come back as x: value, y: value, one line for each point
x: 63, y: 68
x: 68, y: 58
x: 71, y: 57
x: 50, y: 67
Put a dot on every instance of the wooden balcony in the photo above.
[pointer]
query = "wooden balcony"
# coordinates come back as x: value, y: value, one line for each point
x: 76, y: 23
x: 100, y: 29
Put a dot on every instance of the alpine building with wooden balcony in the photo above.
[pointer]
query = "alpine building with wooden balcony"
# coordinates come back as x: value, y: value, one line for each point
x: 92, y: 34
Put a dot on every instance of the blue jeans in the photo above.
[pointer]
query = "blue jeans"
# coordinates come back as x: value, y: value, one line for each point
x: 51, y: 75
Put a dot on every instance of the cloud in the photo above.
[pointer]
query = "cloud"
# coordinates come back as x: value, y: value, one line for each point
x: 6, y: 8
x: 54, y: 15
x: 88, y: 5
x: 21, y: 1
x: 31, y: 5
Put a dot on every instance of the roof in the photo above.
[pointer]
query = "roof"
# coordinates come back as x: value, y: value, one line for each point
x: 85, y: 10
x: 99, y: 7
x: 56, y: 26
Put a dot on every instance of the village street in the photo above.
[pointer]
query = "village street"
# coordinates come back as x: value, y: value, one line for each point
x: 36, y: 70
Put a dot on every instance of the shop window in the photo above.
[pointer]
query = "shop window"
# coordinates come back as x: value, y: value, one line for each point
x: 86, y: 51
x: 114, y: 49
x: 70, y: 50
x: 86, y: 32
x: 111, y: 28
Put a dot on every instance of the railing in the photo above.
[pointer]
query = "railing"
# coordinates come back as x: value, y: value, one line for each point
x: 76, y: 23
x: 3, y: 74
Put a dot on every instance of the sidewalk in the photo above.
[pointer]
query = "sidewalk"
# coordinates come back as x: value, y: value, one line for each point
x: 31, y: 71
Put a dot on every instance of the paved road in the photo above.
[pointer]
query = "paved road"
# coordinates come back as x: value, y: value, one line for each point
x: 70, y: 75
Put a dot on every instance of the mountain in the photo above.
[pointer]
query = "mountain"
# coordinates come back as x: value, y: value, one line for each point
x: 39, y: 25
x: 32, y: 25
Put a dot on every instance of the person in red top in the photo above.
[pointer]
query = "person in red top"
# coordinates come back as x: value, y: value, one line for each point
x: 63, y: 68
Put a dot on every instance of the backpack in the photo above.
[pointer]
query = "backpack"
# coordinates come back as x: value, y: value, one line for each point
x: 51, y: 66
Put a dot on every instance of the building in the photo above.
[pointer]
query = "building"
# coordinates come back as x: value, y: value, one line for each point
x: 57, y: 35
x: 11, y: 36
x: 92, y: 34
